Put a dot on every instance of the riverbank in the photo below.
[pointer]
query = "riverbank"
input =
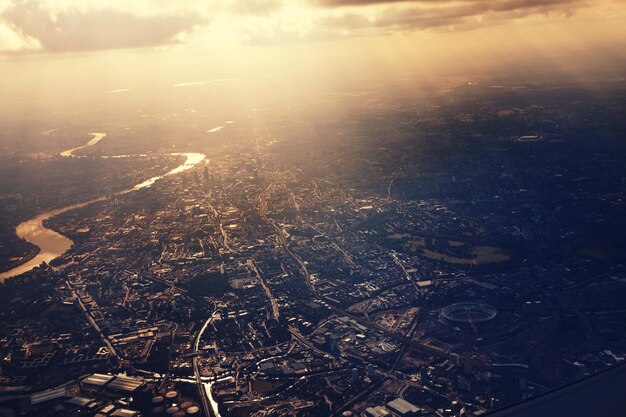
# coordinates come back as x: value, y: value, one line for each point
x: 50, y: 244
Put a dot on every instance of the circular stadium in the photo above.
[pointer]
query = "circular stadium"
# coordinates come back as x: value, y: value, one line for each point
x: 468, y: 312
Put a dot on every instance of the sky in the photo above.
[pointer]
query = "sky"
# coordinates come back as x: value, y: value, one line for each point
x: 57, y: 26
x: 51, y: 46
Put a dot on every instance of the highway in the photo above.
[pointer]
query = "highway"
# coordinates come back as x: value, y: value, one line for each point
x: 275, y: 311
x: 208, y: 409
x: 91, y: 320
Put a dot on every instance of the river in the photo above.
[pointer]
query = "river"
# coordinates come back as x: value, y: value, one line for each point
x: 97, y: 137
x: 52, y: 244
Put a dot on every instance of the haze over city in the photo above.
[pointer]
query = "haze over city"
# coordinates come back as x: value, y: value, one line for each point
x: 54, y: 49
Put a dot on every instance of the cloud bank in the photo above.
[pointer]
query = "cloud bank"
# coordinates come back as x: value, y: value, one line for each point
x: 437, y: 14
x: 41, y: 29
x: 86, y: 25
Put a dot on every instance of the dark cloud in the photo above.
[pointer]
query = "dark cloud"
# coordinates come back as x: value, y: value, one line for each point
x: 78, y: 30
x: 405, y: 16
x: 459, y: 15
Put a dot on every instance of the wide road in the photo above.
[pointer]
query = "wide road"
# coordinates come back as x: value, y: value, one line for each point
x: 270, y: 296
x: 206, y: 406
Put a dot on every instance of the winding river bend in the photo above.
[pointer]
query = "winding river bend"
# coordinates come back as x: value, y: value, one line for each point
x: 52, y: 244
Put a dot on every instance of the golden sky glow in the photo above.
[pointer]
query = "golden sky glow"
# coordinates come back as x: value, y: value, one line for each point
x: 83, y: 25
x: 115, y: 45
